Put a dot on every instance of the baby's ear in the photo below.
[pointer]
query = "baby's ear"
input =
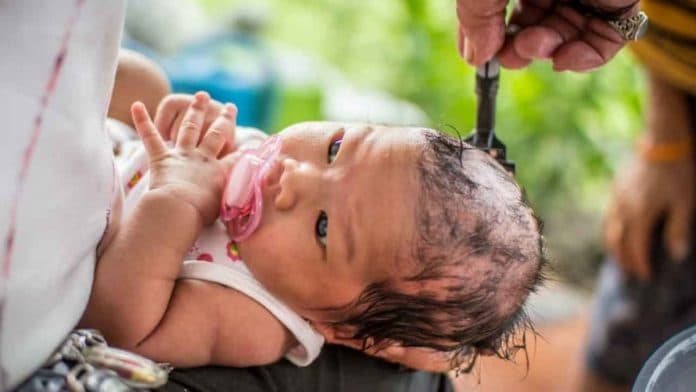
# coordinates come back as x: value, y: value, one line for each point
x: 337, y: 334
x: 341, y: 334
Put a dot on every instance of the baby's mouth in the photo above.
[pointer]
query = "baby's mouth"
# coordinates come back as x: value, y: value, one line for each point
x: 242, y: 200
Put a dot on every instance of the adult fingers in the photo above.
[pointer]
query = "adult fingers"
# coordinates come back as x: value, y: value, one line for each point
x: 510, y: 59
x: 636, y: 246
x: 547, y: 32
x: 617, y: 231
x: 573, y: 41
x: 192, y: 122
x: 537, y: 42
x: 614, y: 231
x: 596, y: 46
x: 152, y: 140
x: 527, y: 14
x: 678, y: 228
x: 621, y: 224
x: 482, y: 27
x: 220, y: 132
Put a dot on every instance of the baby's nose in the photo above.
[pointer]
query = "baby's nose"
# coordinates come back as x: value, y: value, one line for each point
x: 287, y: 196
x: 277, y: 167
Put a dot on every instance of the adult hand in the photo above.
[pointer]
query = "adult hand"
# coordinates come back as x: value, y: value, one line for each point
x: 644, y: 193
x: 649, y: 188
x: 546, y: 29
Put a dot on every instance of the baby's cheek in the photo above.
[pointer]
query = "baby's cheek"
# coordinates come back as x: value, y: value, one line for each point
x: 248, y: 252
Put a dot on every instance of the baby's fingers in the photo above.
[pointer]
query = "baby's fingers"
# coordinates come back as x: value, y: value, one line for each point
x: 154, y: 145
x: 193, y: 121
x: 221, y: 131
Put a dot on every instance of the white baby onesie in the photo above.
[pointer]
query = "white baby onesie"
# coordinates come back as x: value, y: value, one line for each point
x: 214, y: 256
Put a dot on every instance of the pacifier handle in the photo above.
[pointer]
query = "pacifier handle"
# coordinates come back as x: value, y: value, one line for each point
x: 242, y: 202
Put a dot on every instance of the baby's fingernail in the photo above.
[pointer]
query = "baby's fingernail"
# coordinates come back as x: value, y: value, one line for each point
x: 202, y: 96
x: 230, y: 109
x: 468, y: 51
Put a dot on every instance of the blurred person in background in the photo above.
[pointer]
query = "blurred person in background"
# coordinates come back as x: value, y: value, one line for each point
x: 646, y: 290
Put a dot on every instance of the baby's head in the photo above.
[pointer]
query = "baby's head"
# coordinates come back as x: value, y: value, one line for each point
x: 396, y: 236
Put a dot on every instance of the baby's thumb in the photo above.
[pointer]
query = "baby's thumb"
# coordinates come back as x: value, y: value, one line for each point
x: 678, y: 231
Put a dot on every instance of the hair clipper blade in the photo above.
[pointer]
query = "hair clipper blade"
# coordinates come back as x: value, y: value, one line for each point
x: 483, y: 136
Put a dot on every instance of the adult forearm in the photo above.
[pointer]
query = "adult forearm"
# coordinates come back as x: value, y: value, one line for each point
x: 668, y: 117
x: 135, y: 276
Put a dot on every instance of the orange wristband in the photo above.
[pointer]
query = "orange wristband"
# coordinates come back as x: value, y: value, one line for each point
x: 666, y: 152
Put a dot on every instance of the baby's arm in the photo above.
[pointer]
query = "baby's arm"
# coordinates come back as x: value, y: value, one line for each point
x: 207, y: 323
x: 137, y: 79
x: 135, y: 275
x: 137, y: 302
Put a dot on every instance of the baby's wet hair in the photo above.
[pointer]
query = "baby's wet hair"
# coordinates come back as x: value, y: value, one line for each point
x: 479, y: 253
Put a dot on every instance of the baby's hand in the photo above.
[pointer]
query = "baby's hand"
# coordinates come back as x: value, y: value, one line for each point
x: 189, y: 171
x: 170, y: 114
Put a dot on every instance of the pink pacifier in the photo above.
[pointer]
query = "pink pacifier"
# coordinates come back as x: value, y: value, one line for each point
x: 242, y: 200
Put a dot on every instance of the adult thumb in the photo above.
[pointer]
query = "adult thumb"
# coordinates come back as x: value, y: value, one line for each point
x: 481, y: 29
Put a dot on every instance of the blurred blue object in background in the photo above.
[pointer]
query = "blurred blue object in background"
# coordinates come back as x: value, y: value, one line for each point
x: 231, y: 67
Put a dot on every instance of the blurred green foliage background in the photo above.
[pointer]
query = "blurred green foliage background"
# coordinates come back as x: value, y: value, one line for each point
x: 567, y: 132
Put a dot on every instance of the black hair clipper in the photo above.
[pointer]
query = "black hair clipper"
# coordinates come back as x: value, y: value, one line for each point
x: 483, y: 137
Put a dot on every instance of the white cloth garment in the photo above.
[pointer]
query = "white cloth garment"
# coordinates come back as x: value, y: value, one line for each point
x: 214, y: 257
x: 56, y: 172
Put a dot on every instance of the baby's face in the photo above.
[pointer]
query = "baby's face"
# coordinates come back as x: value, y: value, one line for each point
x: 338, y: 214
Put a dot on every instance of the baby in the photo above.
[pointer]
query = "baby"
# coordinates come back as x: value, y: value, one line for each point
x: 402, y: 242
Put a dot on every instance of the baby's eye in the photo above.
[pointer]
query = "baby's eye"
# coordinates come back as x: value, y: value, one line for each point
x: 321, y: 229
x: 333, y: 149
